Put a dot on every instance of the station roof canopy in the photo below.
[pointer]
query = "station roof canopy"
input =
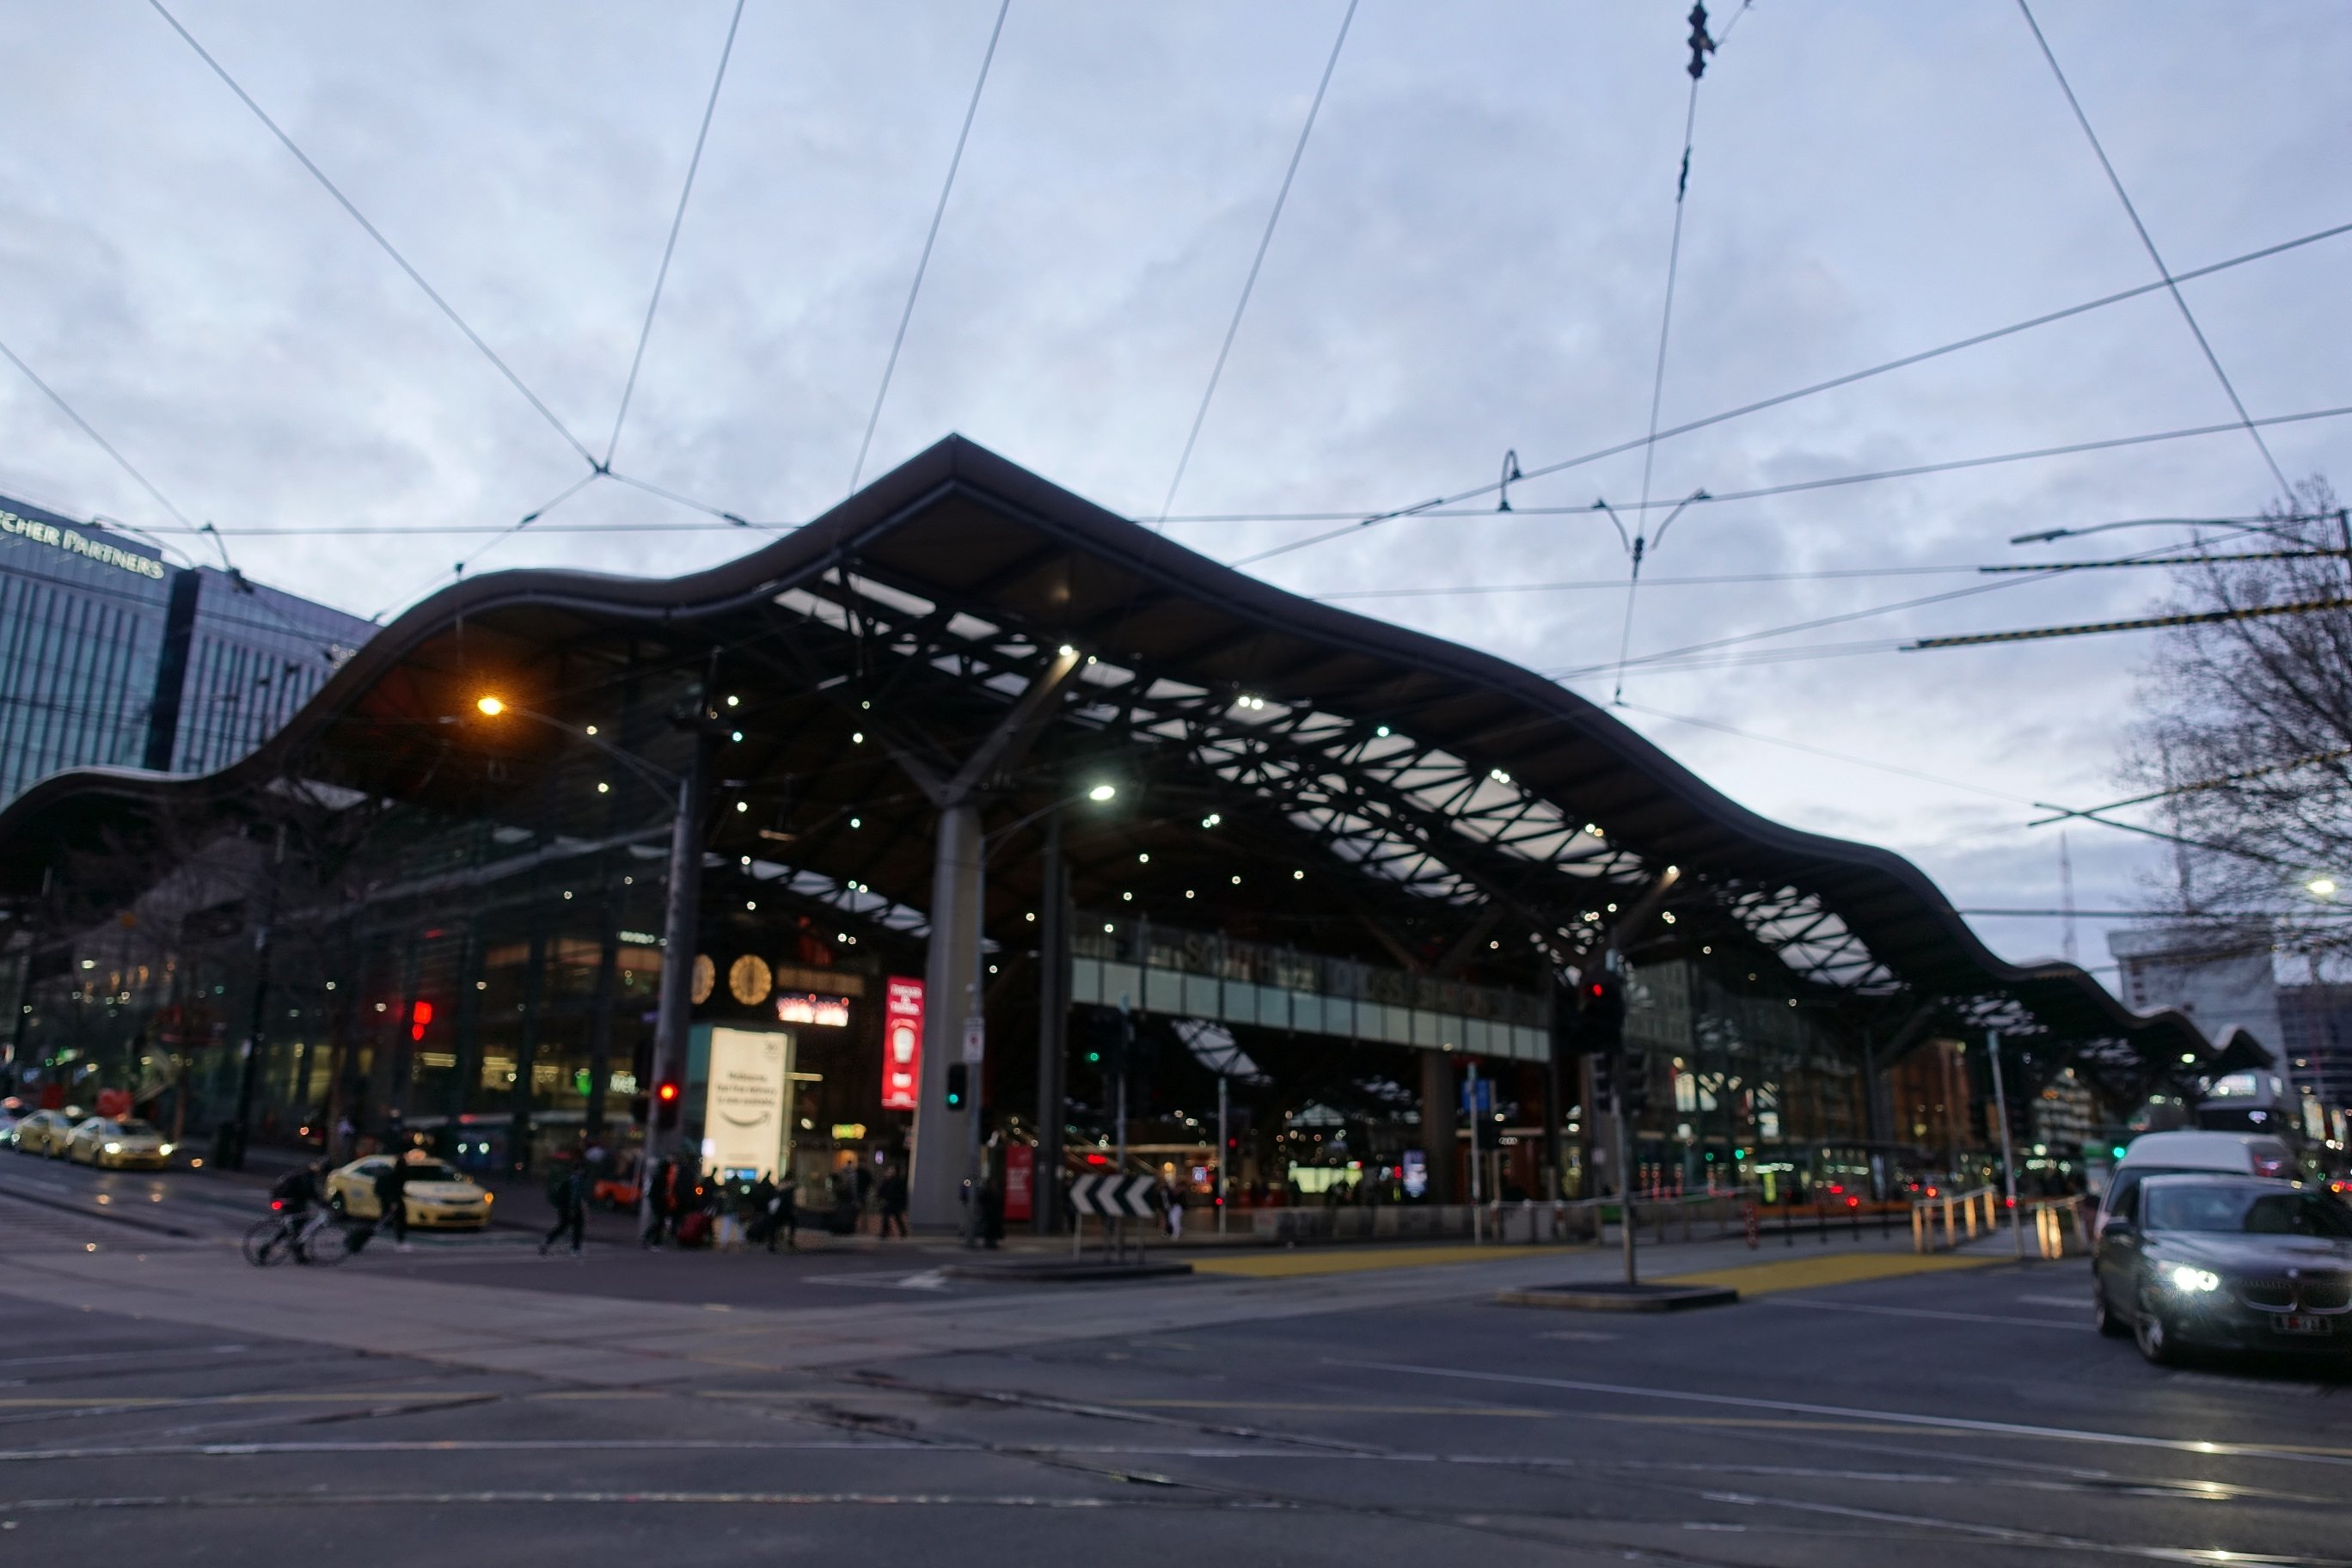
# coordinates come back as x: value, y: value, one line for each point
x: 1286, y: 770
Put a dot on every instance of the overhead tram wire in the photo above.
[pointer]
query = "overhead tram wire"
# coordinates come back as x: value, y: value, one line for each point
x: 2149, y: 242
x: 1841, y: 618
x: 377, y: 234
x: 669, y: 248
x: 1431, y: 506
x: 931, y: 239
x: 87, y: 428
x: 1824, y: 751
x: 1249, y: 283
x: 1701, y: 45
x: 1795, y: 487
x: 1827, y: 575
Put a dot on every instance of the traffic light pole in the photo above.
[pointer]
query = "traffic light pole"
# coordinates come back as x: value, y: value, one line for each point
x: 1617, y: 1080
x: 676, y: 997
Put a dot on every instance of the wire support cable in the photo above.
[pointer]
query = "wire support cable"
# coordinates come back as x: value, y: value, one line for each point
x: 1249, y: 283
x: 2149, y: 242
x: 676, y: 222
x: 376, y: 234
x: 931, y: 239
x: 87, y: 428
x: 1433, y: 506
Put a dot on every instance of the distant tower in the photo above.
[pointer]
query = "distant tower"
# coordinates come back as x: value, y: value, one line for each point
x: 2067, y: 893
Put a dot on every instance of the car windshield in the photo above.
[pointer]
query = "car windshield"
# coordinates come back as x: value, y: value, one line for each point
x: 132, y: 1127
x: 2246, y: 1211
x: 431, y: 1170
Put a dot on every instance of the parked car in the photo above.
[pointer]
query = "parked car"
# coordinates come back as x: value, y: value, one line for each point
x: 11, y: 1112
x: 2213, y: 1154
x: 2226, y: 1262
x: 439, y: 1196
x: 46, y: 1132
x: 118, y: 1143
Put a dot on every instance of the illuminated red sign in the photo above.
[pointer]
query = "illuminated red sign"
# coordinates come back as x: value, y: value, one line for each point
x: 902, y: 1043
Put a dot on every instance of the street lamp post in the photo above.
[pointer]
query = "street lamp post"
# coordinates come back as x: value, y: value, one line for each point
x: 676, y: 1003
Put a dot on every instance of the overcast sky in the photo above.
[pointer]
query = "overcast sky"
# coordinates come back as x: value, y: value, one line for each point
x: 1472, y: 259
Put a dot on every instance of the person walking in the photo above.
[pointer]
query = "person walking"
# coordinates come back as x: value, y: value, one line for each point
x: 992, y: 1211
x: 1173, y: 1199
x: 661, y: 1201
x: 785, y: 1214
x: 392, y: 1199
x: 894, y: 1202
x: 567, y: 1193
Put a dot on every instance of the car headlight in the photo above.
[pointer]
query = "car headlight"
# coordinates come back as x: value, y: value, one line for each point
x: 114, y: 1148
x: 2184, y: 1277
x: 486, y: 1200
x: 164, y: 1150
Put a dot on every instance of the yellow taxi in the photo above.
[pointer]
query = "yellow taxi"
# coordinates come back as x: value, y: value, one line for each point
x: 439, y: 1196
x: 46, y: 1132
x: 117, y: 1142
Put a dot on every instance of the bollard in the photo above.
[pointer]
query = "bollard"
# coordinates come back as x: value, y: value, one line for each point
x: 1919, y: 1230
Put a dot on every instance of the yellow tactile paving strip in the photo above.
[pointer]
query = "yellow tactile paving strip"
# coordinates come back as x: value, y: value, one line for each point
x: 1838, y: 1269
x: 1290, y: 1263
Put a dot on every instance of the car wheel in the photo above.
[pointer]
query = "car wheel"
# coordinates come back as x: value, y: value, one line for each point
x: 2112, y: 1326
x: 2154, y: 1335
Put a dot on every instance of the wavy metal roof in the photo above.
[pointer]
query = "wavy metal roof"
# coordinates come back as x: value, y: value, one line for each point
x: 1463, y: 801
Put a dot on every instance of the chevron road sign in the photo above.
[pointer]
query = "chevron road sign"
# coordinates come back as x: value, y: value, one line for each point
x: 1114, y: 1197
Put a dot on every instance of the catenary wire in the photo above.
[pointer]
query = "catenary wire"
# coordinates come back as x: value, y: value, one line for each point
x: 1914, y: 472
x: 1359, y: 520
x: 377, y: 234
x: 1841, y: 618
x: 1249, y: 283
x: 678, y: 221
x: 2149, y: 242
x: 106, y: 446
x: 922, y: 264
x: 1822, y: 751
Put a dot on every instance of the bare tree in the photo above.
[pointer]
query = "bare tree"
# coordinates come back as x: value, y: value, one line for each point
x: 2245, y: 734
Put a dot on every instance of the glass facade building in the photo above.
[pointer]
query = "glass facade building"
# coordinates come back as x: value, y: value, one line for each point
x: 110, y: 657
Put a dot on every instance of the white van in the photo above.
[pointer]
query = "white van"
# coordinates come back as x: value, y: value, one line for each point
x: 2177, y: 1154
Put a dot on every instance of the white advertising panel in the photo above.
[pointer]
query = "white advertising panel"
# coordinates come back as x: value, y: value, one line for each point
x: 750, y: 1099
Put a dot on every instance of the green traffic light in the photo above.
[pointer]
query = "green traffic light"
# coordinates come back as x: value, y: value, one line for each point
x: 2118, y: 1151
x: 1094, y: 1055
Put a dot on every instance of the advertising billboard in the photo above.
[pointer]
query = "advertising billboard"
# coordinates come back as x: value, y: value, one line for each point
x: 745, y: 1112
x: 902, y: 1043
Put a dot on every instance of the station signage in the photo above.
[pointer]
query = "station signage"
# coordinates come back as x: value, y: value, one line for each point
x: 902, y: 1043
x: 77, y: 543
x: 808, y: 1007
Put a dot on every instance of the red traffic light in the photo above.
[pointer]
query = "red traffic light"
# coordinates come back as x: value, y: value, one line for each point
x: 666, y: 1092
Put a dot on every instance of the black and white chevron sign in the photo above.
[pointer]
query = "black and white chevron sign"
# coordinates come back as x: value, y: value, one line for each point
x: 1114, y: 1197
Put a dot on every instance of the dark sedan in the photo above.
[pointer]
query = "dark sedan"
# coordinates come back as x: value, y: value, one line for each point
x: 2227, y: 1262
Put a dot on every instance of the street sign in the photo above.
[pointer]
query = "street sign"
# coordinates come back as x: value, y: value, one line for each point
x: 1114, y: 1197
x: 976, y: 1041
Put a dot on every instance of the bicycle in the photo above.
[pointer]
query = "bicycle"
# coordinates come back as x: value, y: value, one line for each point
x: 316, y: 1238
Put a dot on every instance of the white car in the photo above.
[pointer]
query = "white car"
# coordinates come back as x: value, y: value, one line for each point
x: 2185, y: 1152
x: 117, y: 1142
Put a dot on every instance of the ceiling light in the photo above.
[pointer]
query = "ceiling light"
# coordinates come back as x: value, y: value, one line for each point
x: 1102, y: 792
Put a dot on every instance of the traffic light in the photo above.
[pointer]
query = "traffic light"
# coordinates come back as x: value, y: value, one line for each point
x: 666, y: 1092
x: 1601, y: 1011
x: 1634, y: 1072
x: 959, y: 1084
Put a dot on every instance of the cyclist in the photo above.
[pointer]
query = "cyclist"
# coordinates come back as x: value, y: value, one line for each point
x: 296, y: 1190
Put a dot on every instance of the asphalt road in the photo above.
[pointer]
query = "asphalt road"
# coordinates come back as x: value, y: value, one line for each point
x: 1959, y: 1417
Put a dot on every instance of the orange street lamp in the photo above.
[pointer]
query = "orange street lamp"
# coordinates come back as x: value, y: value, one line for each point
x: 490, y: 705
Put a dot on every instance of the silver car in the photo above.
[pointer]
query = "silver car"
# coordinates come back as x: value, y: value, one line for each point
x: 2227, y: 1262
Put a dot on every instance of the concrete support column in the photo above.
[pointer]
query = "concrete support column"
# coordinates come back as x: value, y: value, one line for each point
x: 1440, y: 1120
x: 1053, y: 1032
x: 935, y: 1182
